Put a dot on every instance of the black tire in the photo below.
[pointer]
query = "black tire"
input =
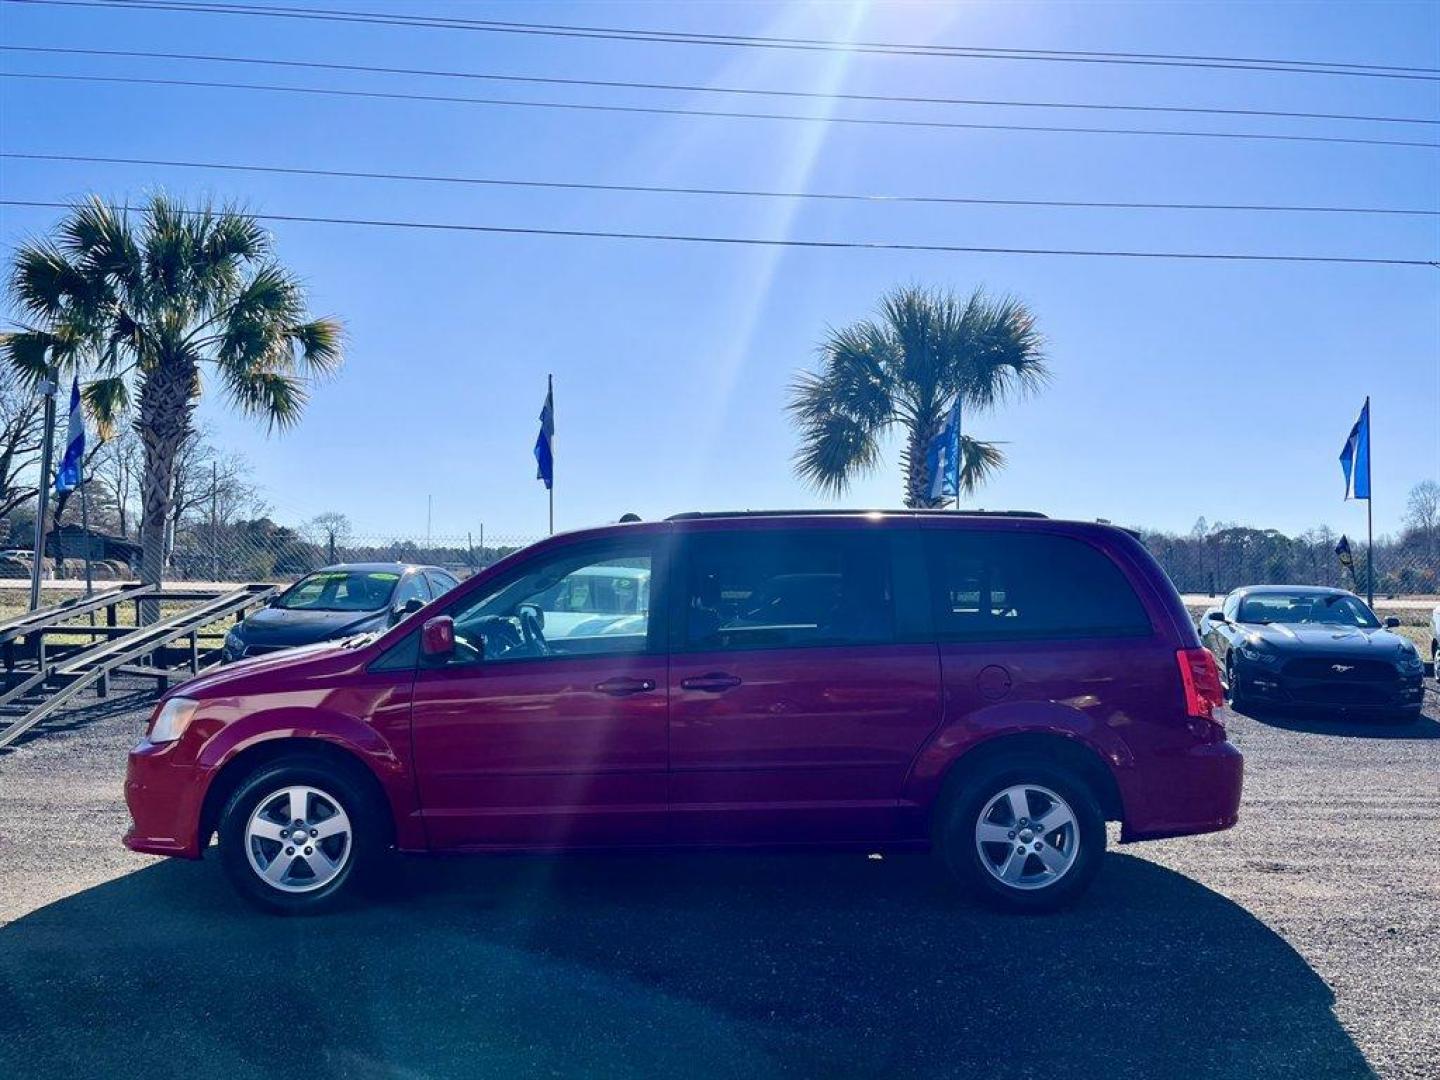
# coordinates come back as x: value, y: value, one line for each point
x: 959, y: 815
x: 358, y: 857
x: 1238, y: 701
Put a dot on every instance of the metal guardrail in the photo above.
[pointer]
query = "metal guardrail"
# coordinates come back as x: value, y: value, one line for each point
x: 121, y: 650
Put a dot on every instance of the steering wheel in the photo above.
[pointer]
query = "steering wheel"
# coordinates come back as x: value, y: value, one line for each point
x: 532, y: 628
x: 499, y: 636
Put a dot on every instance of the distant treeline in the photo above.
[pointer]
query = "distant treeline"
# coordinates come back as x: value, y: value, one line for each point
x: 1223, y: 557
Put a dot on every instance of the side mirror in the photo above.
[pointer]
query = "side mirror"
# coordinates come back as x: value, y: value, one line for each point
x: 1215, y: 616
x: 1392, y: 622
x: 409, y: 607
x: 437, y: 638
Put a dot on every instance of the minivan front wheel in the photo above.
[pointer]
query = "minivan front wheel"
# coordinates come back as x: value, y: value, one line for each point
x: 1022, y: 835
x: 294, y: 835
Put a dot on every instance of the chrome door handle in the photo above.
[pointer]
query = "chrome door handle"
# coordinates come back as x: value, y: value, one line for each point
x: 622, y: 687
x: 714, y: 683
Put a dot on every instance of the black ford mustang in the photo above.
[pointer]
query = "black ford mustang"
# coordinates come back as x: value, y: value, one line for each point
x: 1311, y: 647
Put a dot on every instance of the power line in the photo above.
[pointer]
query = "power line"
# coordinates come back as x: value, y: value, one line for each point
x: 749, y: 241
x: 563, y: 185
x: 1228, y: 63
x: 696, y: 88
x: 656, y: 110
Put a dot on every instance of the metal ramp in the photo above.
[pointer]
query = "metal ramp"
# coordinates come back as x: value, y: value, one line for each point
x: 40, y: 686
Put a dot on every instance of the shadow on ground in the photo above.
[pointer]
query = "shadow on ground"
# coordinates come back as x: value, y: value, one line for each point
x: 720, y: 966
x: 1348, y: 726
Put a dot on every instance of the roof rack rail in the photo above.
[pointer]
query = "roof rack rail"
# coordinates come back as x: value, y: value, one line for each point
x: 695, y: 515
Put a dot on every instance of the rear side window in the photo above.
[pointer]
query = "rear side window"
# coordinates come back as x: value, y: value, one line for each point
x: 787, y: 589
x: 1001, y: 586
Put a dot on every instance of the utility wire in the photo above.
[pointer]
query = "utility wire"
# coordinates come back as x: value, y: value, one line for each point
x: 669, y: 190
x: 695, y: 88
x: 1304, y: 67
x: 655, y: 110
x: 749, y: 241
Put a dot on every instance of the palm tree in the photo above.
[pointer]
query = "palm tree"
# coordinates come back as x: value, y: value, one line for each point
x: 145, y: 304
x: 927, y: 351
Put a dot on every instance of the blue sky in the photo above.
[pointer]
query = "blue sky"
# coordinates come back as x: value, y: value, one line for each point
x: 1180, y: 390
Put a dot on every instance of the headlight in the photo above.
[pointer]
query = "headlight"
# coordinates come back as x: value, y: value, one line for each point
x: 170, y: 722
x: 1410, y: 661
x: 1256, y: 654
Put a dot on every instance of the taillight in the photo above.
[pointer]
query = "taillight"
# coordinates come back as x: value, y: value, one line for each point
x: 1201, y: 679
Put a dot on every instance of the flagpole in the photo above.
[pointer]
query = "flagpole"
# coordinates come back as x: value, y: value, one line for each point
x: 42, y: 496
x: 85, y: 528
x: 550, y: 397
x: 1369, y: 510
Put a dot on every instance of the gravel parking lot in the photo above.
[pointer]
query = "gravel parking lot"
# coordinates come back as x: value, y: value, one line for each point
x: 1303, y: 943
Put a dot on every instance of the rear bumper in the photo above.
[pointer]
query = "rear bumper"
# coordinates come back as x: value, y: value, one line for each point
x: 164, y: 798
x: 1196, y: 790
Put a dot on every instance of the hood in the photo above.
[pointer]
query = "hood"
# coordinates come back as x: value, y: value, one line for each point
x: 276, y: 627
x: 1322, y: 639
x: 219, y: 681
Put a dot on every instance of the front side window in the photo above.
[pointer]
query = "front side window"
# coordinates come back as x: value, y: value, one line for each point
x: 787, y: 589
x: 1012, y: 586
x: 411, y: 588
x: 582, y: 603
x: 440, y: 583
x: 341, y: 590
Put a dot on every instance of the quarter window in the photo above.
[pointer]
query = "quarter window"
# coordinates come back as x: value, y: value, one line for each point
x: 787, y: 589
x: 1007, y: 586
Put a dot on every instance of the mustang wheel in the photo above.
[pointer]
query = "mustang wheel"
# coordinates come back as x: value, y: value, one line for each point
x: 1022, y: 834
x: 295, y: 833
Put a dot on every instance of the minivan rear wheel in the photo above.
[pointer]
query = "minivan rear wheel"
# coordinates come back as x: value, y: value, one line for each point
x: 1022, y: 834
x: 296, y: 834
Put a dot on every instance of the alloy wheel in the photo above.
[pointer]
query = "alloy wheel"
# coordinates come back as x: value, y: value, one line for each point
x: 1027, y: 837
x: 298, y: 839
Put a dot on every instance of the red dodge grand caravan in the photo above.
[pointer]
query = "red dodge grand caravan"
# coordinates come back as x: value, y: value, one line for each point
x: 994, y: 687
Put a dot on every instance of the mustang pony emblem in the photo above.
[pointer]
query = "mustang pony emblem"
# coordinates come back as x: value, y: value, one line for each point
x: 1340, y: 669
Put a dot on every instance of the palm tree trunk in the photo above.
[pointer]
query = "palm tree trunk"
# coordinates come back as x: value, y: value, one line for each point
x: 165, y: 409
x: 917, y: 468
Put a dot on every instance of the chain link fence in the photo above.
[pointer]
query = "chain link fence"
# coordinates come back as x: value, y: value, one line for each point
x: 1210, y: 563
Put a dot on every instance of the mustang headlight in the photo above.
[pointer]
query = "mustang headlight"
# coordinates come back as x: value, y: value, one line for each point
x: 234, y: 643
x: 1259, y: 654
x: 171, y: 720
x: 1410, y: 662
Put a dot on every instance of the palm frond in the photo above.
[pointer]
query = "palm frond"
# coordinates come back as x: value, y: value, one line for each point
x: 43, y: 280
x: 99, y: 238
x: 27, y: 354
x: 321, y: 346
x: 997, y: 352
x: 277, y: 399
x: 833, y: 450
x: 107, y: 400
x: 979, y: 462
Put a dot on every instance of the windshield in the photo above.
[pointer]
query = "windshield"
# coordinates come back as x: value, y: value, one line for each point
x: 1337, y: 609
x: 341, y: 590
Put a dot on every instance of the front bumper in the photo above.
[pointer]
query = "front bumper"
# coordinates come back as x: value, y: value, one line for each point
x: 1196, y: 790
x: 164, y: 791
x: 1323, y: 688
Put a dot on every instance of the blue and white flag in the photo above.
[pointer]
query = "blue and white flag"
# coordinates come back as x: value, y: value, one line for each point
x: 545, y: 442
x: 68, y: 478
x: 1355, y: 458
x: 942, y: 458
